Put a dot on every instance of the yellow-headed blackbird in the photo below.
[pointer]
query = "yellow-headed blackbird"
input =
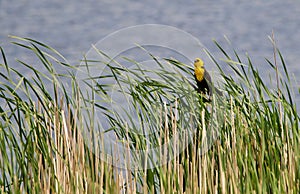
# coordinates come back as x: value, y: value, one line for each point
x: 203, y: 79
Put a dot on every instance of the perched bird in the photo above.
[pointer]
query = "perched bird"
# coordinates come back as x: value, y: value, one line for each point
x: 203, y: 79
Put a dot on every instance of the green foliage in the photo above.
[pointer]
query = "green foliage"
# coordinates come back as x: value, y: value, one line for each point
x: 244, y: 141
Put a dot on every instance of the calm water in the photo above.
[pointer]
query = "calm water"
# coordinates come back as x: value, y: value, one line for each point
x: 71, y: 28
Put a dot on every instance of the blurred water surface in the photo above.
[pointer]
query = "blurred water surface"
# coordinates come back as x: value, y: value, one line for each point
x: 72, y: 27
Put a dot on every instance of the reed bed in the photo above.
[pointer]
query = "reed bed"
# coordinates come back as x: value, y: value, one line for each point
x: 246, y: 141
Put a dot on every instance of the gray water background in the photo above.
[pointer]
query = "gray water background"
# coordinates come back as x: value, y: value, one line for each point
x: 71, y: 27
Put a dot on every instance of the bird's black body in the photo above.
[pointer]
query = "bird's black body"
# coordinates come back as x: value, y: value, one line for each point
x: 204, y: 86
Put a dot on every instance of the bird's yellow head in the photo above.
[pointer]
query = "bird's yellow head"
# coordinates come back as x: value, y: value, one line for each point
x: 198, y: 63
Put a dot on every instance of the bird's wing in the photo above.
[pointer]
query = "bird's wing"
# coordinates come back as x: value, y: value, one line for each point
x: 207, y: 77
x: 210, y: 85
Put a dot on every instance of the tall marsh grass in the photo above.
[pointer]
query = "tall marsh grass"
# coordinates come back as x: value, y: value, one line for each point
x: 254, y: 149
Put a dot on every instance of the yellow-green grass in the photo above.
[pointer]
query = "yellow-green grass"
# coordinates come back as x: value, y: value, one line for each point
x: 42, y: 148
